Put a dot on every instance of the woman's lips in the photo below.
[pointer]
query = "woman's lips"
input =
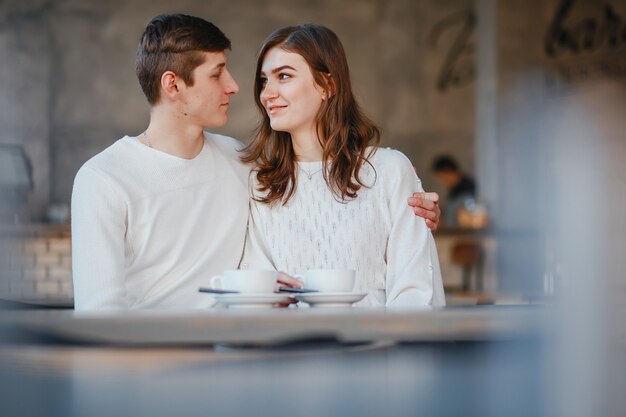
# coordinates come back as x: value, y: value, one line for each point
x: 275, y: 109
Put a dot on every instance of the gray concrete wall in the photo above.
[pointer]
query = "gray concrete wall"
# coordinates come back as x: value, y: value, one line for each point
x: 25, y: 93
x: 68, y: 87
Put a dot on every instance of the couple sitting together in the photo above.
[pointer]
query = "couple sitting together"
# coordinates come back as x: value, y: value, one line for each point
x: 154, y: 216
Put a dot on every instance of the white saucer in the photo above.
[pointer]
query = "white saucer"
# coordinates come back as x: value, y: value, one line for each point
x: 252, y: 300
x: 330, y: 299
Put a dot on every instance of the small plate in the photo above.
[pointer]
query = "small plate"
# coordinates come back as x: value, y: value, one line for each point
x: 330, y: 299
x: 251, y: 300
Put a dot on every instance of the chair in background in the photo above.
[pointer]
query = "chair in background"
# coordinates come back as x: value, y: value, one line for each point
x: 470, y: 256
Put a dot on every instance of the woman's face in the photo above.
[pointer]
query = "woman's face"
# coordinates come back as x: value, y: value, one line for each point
x: 290, y: 95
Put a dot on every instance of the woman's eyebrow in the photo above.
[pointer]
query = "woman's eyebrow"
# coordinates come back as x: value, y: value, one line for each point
x: 279, y: 69
x: 275, y: 70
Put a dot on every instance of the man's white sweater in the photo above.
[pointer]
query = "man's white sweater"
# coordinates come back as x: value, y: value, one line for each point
x: 149, y: 228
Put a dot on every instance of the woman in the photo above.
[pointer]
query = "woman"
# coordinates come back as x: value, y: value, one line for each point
x: 323, y: 194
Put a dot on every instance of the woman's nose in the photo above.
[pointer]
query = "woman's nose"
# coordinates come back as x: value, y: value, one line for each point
x: 268, y: 91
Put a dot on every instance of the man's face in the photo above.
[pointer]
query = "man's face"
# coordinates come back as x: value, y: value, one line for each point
x: 206, y: 102
x: 447, y: 178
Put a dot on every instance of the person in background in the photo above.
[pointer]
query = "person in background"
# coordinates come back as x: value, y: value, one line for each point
x: 324, y: 195
x: 461, y: 187
x: 154, y: 216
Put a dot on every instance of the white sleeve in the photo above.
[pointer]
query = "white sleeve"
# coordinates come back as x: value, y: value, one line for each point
x: 98, y: 230
x: 257, y: 254
x: 413, y: 273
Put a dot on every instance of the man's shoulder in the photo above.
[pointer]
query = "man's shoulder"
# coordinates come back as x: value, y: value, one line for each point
x: 466, y: 186
x: 120, y: 149
x: 107, y: 163
x: 226, y: 144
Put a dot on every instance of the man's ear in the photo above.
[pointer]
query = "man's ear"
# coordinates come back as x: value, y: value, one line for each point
x: 170, y: 84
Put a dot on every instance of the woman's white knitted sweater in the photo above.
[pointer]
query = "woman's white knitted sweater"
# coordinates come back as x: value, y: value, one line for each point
x: 377, y: 234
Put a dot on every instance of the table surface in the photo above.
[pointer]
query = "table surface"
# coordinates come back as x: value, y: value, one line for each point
x: 483, y: 361
x: 278, y: 326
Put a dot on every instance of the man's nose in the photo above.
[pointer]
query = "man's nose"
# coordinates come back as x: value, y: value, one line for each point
x: 231, y: 84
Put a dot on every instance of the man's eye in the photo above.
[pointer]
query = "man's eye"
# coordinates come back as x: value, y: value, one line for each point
x: 217, y: 75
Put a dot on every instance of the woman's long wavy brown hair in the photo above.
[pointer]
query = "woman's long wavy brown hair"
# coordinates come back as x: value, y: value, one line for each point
x: 344, y: 131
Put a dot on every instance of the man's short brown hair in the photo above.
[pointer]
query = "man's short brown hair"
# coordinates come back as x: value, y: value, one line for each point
x: 175, y: 42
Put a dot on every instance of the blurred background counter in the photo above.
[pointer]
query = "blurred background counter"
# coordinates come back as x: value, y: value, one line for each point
x: 36, y: 263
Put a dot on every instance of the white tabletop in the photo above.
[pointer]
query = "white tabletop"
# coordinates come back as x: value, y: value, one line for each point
x: 276, y: 326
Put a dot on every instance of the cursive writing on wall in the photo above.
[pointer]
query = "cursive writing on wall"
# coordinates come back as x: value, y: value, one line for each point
x: 585, y: 43
x: 458, y: 68
x: 591, y: 33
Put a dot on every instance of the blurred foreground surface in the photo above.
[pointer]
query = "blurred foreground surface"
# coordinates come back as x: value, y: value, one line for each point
x: 499, y: 375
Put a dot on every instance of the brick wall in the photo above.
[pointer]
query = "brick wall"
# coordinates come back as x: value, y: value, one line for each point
x: 36, y: 264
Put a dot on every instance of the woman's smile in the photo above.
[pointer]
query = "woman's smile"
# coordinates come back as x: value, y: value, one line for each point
x: 275, y: 109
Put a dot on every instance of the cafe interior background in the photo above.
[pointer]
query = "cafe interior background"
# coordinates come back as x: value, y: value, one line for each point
x: 528, y: 95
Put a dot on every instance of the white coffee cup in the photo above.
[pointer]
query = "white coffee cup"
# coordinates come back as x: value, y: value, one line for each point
x: 329, y: 280
x: 245, y: 281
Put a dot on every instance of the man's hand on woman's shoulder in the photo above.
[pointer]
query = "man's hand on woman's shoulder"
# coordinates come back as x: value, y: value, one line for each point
x: 426, y: 205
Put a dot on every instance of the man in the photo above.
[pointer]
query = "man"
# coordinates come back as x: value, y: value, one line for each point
x: 155, y: 216
x: 459, y: 185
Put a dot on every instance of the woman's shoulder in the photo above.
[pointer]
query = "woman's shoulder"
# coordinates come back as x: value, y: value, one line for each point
x: 394, y: 170
x: 385, y: 158
x: 391, y: 167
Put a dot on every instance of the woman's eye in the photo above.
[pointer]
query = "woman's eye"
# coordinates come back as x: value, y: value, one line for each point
x: 283, y: 76
x: 263, y: 81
